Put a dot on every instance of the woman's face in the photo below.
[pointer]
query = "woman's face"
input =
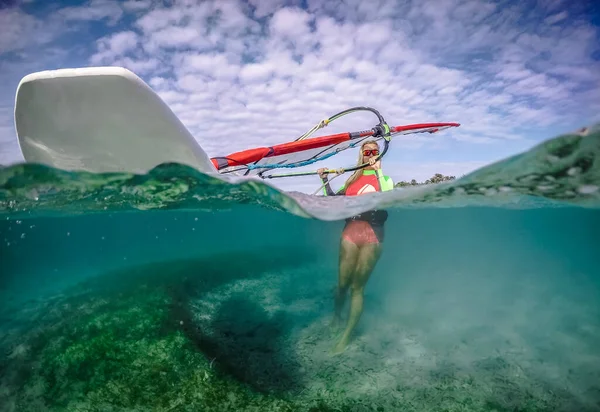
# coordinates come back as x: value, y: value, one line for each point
x: 370, y: 150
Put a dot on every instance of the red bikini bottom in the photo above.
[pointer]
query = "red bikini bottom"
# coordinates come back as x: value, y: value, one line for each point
x: 360, y: 233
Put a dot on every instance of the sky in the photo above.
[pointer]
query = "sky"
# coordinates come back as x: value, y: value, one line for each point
x: 247, y: 73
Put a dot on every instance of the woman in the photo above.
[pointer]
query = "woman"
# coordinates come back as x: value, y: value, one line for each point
x: 361, y: 240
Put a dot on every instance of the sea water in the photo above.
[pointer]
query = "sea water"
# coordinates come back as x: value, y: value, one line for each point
x: 177, y: 291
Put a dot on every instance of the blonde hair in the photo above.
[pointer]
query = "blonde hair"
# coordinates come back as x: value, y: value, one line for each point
x: 359, y: 172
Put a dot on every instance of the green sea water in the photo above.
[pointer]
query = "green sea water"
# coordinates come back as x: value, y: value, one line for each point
x: 178, y: 291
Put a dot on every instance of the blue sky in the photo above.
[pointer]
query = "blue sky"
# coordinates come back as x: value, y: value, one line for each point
x: 513, y: 73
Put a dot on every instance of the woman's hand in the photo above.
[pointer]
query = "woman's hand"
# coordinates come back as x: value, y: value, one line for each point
x: 322, y: 172
x: 375, y: 164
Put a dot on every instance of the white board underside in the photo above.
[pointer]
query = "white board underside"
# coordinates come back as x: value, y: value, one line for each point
x: 100, y: 119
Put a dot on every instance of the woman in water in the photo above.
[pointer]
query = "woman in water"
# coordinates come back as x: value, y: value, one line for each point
x: 361, y: 240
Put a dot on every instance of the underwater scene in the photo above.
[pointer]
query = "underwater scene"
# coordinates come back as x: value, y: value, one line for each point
x: 179, y: 291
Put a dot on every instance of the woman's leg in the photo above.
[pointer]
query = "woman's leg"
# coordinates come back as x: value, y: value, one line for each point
x: 348, y: 261
x: 368, y: 255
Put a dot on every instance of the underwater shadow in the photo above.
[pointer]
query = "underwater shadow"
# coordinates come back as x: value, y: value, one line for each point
x: 244, y: 342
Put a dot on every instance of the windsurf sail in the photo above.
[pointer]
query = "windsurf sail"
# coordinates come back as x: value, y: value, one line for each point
x: 304, y: 151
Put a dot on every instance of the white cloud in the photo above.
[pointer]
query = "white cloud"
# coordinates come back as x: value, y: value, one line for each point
x: 20, y: 30
x: 232, y: 18
x: 122, y: 49
x: 473, y: 11
x: 136, y: 5
x: 585, y: 74
x: 122, y: 42
x: 290, y: 23
x: 159, y: 83
x: 140, y: 66
x: 214, y: 66
x: 551, y: 5
x: 94, y: 10
x: 159, y: 19
x: 111, y: 47
x: 263, y: 8
x: 191, y: 83
x: 15, y: 24
x: 256, y: 72
x: 555, y: 18
x: 514, y: 71
x: 172, y: 97
x: 374, y: 35
x: 174, y: 37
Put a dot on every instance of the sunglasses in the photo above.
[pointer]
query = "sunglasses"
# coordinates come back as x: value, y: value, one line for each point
x: 373, y: 152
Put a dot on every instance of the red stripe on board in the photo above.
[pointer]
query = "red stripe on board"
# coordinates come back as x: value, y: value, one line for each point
x: 253, y: 155
x: 246, y: 156
x: 409, y: 127
x: 308, y: 144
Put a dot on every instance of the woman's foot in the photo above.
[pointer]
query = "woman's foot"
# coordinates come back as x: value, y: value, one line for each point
x: 341, y: 346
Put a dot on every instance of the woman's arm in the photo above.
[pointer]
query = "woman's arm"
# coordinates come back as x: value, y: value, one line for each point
x: 385, y: 182
x: 327, y: 191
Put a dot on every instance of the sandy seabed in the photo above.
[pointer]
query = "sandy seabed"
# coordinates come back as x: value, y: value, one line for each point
x: 175, y: 342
